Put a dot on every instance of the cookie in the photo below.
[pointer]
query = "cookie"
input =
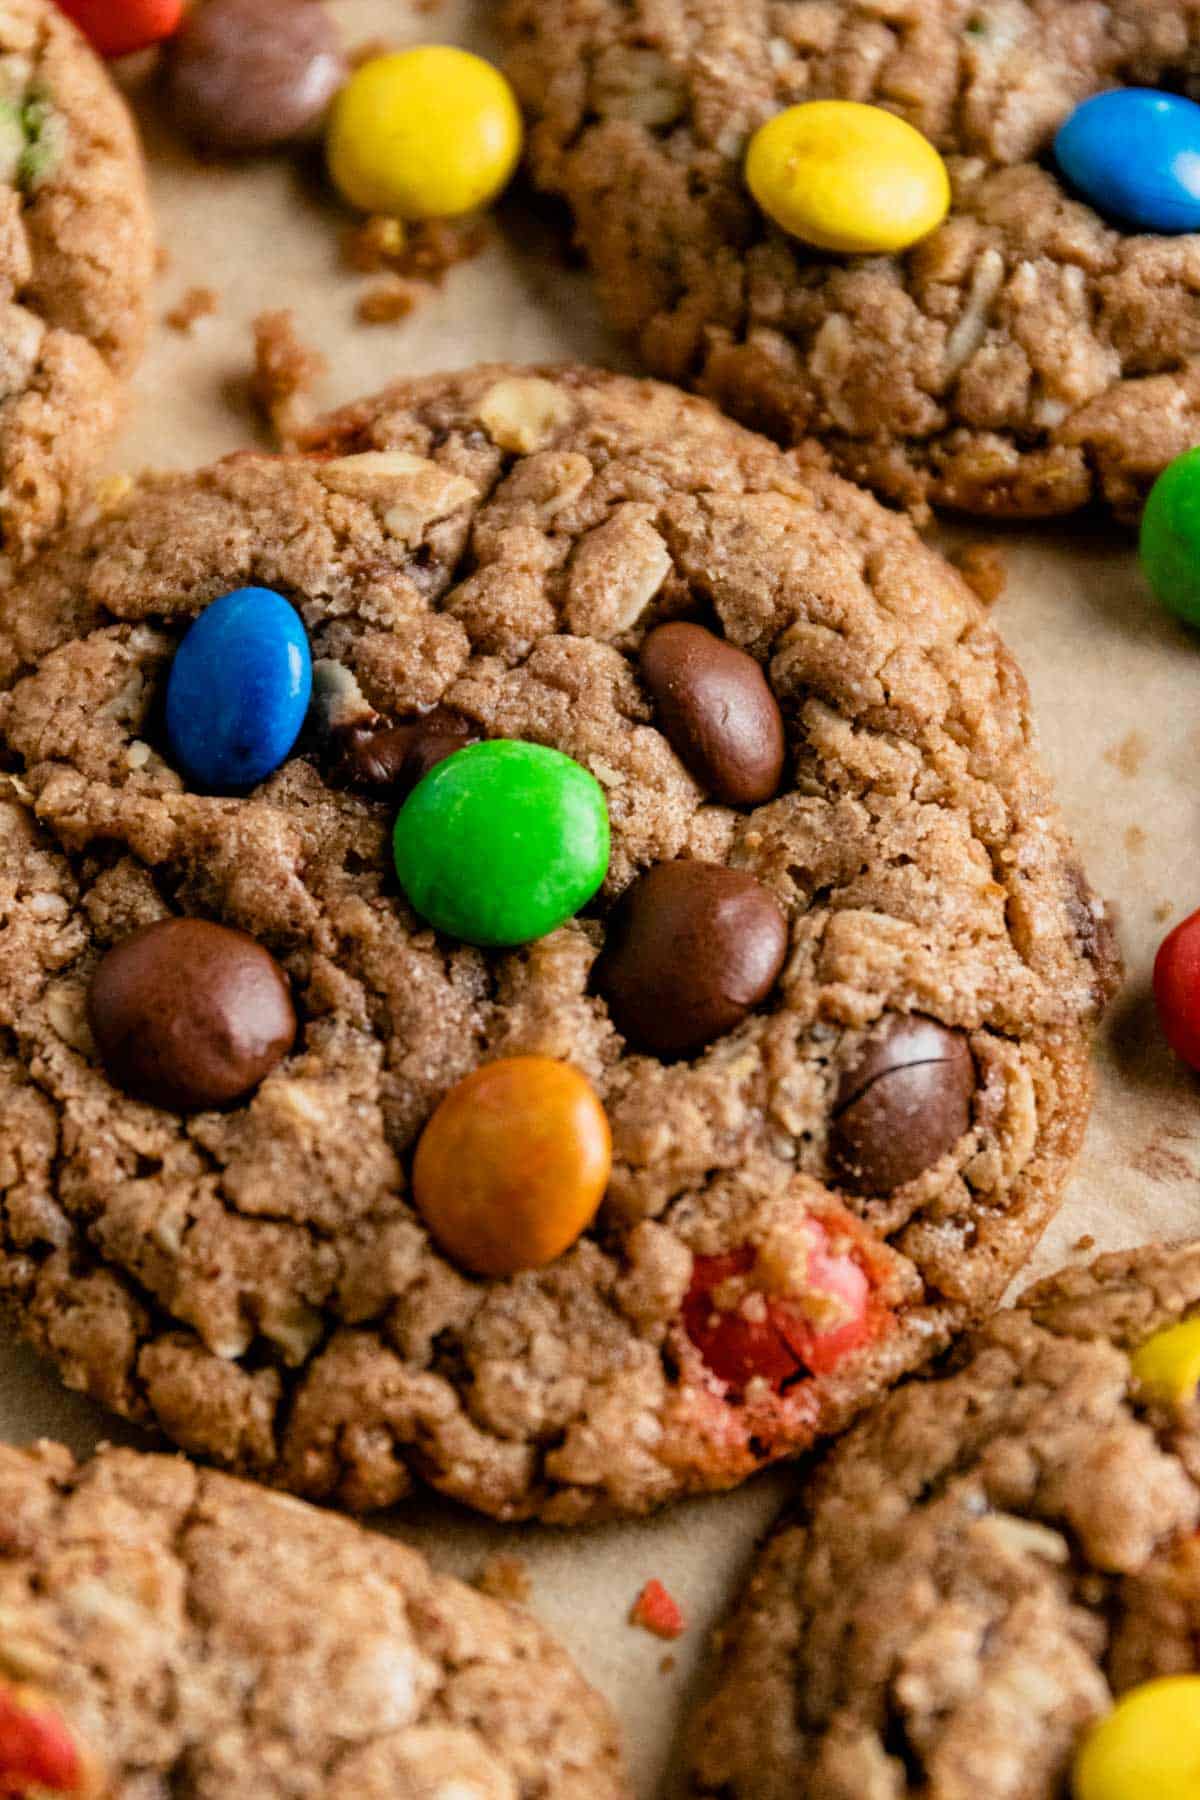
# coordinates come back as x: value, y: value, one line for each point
x: 344, y: 1238
x: 173, y: 1630
x: 76, y: 253
x: 1025, y: 359
x: 985, y: 1564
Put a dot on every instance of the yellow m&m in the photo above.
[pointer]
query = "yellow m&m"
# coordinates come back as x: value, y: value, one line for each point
x: 847, y: 177
x: 429, y: 133
x: 1167, y: 1366
x: 1148, y: 1748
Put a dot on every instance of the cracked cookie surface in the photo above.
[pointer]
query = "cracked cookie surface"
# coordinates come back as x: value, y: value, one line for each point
x: 199, y: 1635
x: 975, y: 1572
x: 76, y: 253
x: 256, y: 1282
x: 1025, y: 359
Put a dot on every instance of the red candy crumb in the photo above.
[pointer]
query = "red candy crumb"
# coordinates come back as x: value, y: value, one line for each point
x: 1177, y: 989
x: 657, y: 1611
x: 119, y: 27
x: 744, y: 1334
x: 37, y: 1751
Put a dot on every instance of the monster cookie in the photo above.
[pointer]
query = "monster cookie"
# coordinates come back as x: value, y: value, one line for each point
x: 991, y: 1586
x: 172, y: 1631
x: 768, y: 229
x: 634, y: 1010
x: 75, y: 261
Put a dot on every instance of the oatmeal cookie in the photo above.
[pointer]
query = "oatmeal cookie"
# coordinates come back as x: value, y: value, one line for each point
x: 76, y: 252
x: 176, y: 1631
x: 1023, y: 360
x: 983, y: 1564
x: 839, y: 1031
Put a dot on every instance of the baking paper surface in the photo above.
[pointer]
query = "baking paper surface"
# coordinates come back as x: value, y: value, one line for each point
x: 1116, y: 688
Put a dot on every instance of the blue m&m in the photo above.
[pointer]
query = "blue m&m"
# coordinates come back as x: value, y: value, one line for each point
x: 1135, y: 155
x: 239, y: 690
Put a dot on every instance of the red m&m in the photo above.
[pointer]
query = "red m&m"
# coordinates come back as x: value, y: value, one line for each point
x: 1177, y: 989
x: 119, y: 27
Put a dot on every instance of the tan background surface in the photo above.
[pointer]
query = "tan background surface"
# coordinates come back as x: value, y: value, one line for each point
x: 1117, y: 689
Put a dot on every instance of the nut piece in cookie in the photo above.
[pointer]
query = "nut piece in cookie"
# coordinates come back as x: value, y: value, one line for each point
x: 994, y: 1577
x: 637, y: 1012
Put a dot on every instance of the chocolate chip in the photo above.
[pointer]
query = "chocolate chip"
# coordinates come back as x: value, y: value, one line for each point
x: 248, y: 75
x: 717, y: 711
x: 691, y: 948
x: 395, y: 757
x: 188, y: 1015
x: 901, y: 1105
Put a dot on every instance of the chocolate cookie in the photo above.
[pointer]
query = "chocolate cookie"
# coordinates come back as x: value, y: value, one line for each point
x: 76, y: 255
x: 988, y: 1561
x: 1027, y: 357
x: 172, y: 1631
x: 820, y: 1053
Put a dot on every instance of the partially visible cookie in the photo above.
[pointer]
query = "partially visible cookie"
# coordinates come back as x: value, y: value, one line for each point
x: 186, y: 1633
x: 989, y: 1560
x: 830, y: 1006
x: 1025, y: 359
x: 76, y: 256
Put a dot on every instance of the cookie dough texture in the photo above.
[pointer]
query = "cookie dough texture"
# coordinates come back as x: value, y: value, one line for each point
x: 202, y: 1636
x: 1024, y: 360
x: 255, y: 1282
x: 76, y: 255
x: 979, y: 1568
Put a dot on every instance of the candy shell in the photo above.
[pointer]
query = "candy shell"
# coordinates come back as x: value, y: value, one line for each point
x: 847, y: 177
x: 1170, y: 538
x: 119, y: 27
x: 1147, y: 1748
x: 502, y: 842
x: 1167, y: 1365
x: 1134, y: 153
x: 1177, y: 989
x: 238, y: 690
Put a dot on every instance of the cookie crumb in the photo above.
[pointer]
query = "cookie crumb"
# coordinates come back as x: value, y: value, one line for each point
x: 506, y: 1577
x: 1085, y: 1243
x: 285, y: 372
x: 198, y: 303
x: 1163, y: 911
x: 426, y: 251
x: 668, y: 1665
x: 984, y: 570
x: 656, y: 1611
x: 388, y: 301
x: 1135, y: 839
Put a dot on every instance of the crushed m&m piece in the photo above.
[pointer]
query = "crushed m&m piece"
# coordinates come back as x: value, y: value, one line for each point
x: 188, y: 1015
x: 502, y: 842
x: 513, y: 1164
x: 745, y: 1333
x: 847, y: 177
x: 1134, y: 153
x: 38, y: 1752
x: 657, y: 1612
x: 1177, y: 989
x: 238, y: 690
x: 428, y: 133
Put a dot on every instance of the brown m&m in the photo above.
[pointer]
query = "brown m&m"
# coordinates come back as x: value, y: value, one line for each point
x: 901, y: 1105
x: 248, y: 75
x: 692, y: 947
x: 513, y: 1164
x: 188, y: 1015
x: 717, y: 712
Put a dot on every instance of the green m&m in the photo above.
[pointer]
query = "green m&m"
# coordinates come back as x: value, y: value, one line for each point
x: 1170, y: 540
x: 502, y: 842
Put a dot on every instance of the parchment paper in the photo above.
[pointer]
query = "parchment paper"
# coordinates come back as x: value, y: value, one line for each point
x: 1115, y: 683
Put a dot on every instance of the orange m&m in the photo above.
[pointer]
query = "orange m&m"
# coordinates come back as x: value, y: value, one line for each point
x: 513, y: 1164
